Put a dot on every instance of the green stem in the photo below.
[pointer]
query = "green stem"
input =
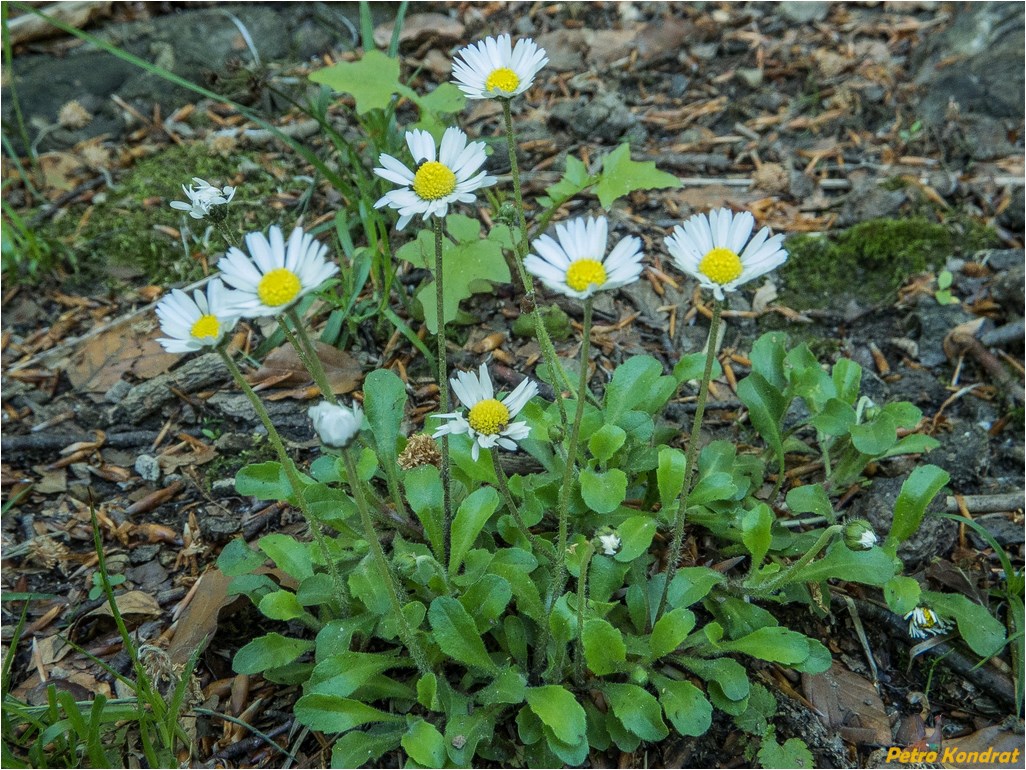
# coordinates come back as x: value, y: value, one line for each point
x: 691, y: 457
x: 556, y: 371
x: 307, y: 352
x: 785, y: 577
x: 293, y: 477
x: 443, y: 390
x: 582, y: 601
x: 514, y: 511
x: 409, y: 638
x: 559, y: 577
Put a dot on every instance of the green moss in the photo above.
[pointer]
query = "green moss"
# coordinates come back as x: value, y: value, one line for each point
x: 120, y: 235
x: 868, y: 261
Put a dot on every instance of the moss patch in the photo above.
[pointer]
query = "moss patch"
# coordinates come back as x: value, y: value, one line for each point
x: 121, y: 235
x: 870, y: 260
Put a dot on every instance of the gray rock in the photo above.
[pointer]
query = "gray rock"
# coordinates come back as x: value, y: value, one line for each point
x: 802, y: 12
x: 606, y: 117
x: 117, y: 391
x: 930, y: 324
x: 148, y: 468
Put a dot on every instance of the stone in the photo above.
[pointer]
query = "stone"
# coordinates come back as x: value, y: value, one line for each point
x: 935, y: 536
x: 148, y: 468
x: 606, y: 118
x: 803, y: 12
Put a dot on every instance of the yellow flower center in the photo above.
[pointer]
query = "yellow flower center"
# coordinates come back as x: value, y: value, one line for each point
x: 206, y: 327
x: 503, y: 79
x: 434, y: 180
x: 278, y: 287
x: 929, y: 619
x: 584, y: 273
x: 488, y: 417
x: 720, y: 265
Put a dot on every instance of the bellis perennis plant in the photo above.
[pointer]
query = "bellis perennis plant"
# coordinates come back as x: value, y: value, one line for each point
x: 454, y: 605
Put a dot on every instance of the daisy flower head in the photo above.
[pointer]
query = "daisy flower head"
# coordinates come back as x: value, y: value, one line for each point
x: 275, y: 273
x: 495, y: 69
x: 489, y: 422
x: 450, y: 176
x: 712, y: 249
x: 199, y: 321
x: 924, y: 622
x: 203, y: 196
x: 610, y: 543
x: 336, y: 425
x: 577, y: 265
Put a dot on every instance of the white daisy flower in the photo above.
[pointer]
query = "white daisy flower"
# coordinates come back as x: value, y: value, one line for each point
x: 429, y: 190
x: 196, y: 322
x: 203, y: 196
x: 275, y: 274
x: 924, y: 622
x: 610, y: 543
x: 577, y: 265
x: 712, y: 249
x: 494, y: 69
x: 489, y: 421
x: 335, y: 424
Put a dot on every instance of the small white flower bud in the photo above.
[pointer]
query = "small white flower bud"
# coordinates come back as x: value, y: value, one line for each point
x: 335, y: 424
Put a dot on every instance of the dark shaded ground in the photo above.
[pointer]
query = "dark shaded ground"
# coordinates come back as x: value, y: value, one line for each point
x: 816, y: 116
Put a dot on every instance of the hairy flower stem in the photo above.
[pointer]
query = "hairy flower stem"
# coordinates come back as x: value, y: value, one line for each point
x: 409, y: 638
x: 514, y: 511
x: 785, y: 577
x: 559, y: 577
x: 307, y: 352
x: 691, y: 457
x: 556, y: 371
x: 582, y: 601
x: 443, y: 391
x: 292, y: 474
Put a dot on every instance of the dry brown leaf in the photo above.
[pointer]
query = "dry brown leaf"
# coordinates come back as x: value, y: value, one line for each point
x: 130, y: 603
x: 102, y: 360
x: 197, y: 625
x: 850, y: 704
x: 283, y: 367
x: 994, y: 738
x: 420, y: 28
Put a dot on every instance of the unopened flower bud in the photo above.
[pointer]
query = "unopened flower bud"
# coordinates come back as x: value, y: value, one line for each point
x: 507, y: 214
x: 859, y: 535
x: 608, y: 541
x: 335, y: 424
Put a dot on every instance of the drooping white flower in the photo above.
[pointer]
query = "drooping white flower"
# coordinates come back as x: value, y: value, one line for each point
x: 577, y: 265
x: 489, y: 421
x: 924, y: 622
x: 494, y: 69
x: 452, y: 177
x: 275, y: 274
x: 199, y: 321
x: 610, y: 543
x: 712, y: 248
x: 859, y: 535
x: 203, y: 196
x: 336, y: 425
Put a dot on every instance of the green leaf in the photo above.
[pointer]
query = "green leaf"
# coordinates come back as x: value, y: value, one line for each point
x: 604, y: 649
x: 766, y: 406
x: 575, y: 179
x: 755, y: 531
x: 636, y: 535
x: 670, y: 476
x: 291, y: 556
x: 873, y: 567
x: 446, y: 99
x: 670, y: 630
x: 712, y: 487
x: 811, y: 498
x: 692, y: 367
x: 728, y: 674
x: 486, y: 600
x: 794, y: 753
x: 332, y: 714
x: 773, y: 643
x: 372, y: 80
x: 384, y: 400
x: 685, y: 706
x: 836, y: 418
x: 637, y: 384
x: 238, y: 558
x: 559, y: 710
x: 264, y: 481
x: 605, y: 442
x: 344, y: 673
x: 620, y: 175
x: 767, y: 358
x: 270, y: 651
x: 456, y: 633
x: 358, y: 748
x: 637, y: 709
x: 978, y: 627
x: 916, y: 493
x: 471, y: 517
x: 425, y: 744
x: 281, y: 605
x: 510, y: 686
x: 876, y: 436
x: 470, y: 264
x: 425, y: 495
x: 692, y: 584
x: 902, y: 594
x: 603, y: 491
x: 847, y: 376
